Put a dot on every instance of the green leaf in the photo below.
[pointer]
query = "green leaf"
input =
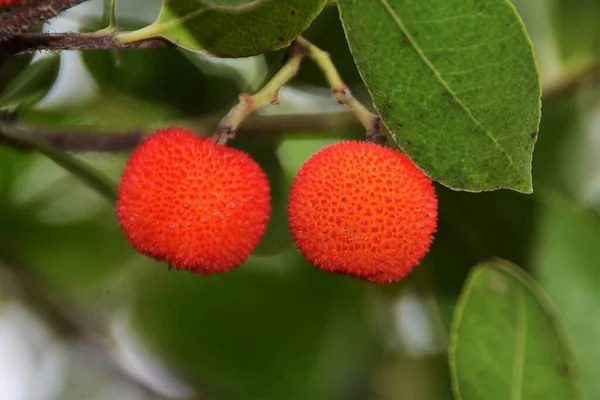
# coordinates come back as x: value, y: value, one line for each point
x: 83, y: 171
x: 456, y: 84
x: 111, y: 111
x: 45, y: 208
x: 253, y: 29
x: 232, y: 3
x: 11, y: 67
x: 31, y: 85
x: 507, y: 342
x: 565, y: 259
x: 474, y: 227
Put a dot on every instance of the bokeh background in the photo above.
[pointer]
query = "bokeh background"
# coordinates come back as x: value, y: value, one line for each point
x: 82, y: 316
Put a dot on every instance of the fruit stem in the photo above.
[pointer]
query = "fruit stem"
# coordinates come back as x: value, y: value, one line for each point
x: 341, y: 93
x: 269, y: 94
x: 157, y: 28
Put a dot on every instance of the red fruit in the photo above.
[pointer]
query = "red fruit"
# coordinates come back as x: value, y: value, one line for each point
x: 364, y: 210
x: 192, y: 203
x: 8, y: 3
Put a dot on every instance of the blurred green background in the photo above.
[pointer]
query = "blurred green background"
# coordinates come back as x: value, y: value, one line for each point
x: 82, y: 316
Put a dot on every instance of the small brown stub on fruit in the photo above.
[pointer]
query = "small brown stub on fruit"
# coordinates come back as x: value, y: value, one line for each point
x: 534, y: 134
x: 281, y: 39
x: 293, y: 13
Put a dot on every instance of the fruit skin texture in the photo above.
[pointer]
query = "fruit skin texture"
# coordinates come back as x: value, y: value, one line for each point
x: 364, y: 210
x: 7, y: 3
x: 197, y: 205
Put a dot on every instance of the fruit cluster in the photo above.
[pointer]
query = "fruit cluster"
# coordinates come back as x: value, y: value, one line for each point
x: 355, y: 208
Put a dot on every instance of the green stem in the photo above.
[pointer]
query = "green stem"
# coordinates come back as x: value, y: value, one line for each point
x: 340, y: 91
x: 156, y: 29
x: 248, y: 104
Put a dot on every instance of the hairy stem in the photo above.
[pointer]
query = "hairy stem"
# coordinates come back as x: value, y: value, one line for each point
x: 341, y: 93
x: 29, y: 42
x: 248, y: 104
x: 31, y: 14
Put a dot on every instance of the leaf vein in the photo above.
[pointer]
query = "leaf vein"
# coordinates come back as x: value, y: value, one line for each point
x: 437, y: 74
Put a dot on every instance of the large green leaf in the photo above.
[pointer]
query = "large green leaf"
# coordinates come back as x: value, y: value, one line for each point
x: 31, y: 85
x: 507, y: 342
x: 456, y: 84
x: 251, y: 29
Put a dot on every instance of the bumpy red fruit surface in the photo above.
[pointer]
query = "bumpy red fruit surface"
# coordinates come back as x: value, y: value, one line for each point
x: 192, y: 203
x: 361, y: 209
x: 6, y: 3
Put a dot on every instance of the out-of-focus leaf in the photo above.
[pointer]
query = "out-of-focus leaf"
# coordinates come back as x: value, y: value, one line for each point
x: 567, y: 261
x: 566, y: 248
x: 71, y: 255
x: 507, y: 342
x: 473, y: 227
x: 244, y: 31
x: 116, y: 112
x: 11, y: 67
x: 455, y: 83
x: 31, y: 85
x: 275, y: 328
x: 166, y: 77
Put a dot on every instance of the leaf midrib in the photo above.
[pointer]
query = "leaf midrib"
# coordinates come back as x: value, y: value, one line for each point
x: 444, y: 84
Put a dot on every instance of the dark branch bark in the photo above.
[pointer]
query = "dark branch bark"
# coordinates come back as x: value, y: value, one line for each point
x: 27, y: 43
x: 31, y: 14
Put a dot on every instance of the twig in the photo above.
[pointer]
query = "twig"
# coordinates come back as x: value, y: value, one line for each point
x: 30, y: 42
x: 32, y: 13
x: 15, y: 135
x: 590, y: 73
x: 112, y: 142
x: 269, y: 94
x: 341, y: 93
